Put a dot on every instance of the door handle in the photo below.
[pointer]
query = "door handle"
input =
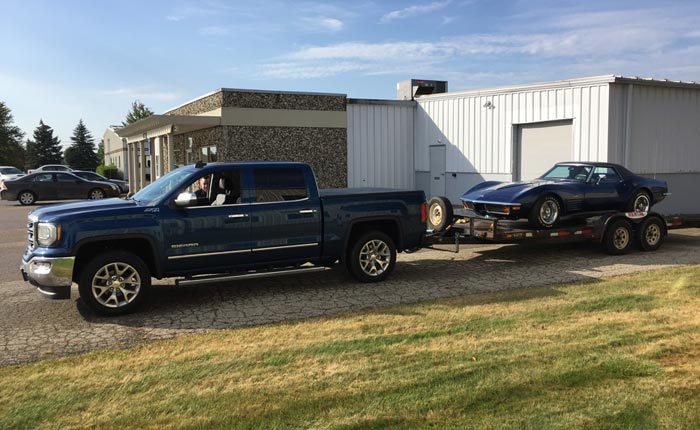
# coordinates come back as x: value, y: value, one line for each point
x: 307, y: 211
x: 238, y: 216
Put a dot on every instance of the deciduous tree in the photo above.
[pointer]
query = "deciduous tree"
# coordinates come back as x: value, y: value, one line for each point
x: 11, y: 149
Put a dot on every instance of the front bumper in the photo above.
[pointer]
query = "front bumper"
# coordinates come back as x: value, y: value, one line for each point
x: 504, y: 210
x: 52, y: 276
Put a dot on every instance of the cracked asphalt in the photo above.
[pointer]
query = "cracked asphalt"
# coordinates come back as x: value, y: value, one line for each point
x: 35, y: 328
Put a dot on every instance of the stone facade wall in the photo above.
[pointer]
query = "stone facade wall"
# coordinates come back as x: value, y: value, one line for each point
x: 324, y: 149
x: 205, y: 104
x: 265, y: 100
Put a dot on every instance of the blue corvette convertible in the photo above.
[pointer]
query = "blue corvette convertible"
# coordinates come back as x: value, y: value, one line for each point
x: 566, y: 189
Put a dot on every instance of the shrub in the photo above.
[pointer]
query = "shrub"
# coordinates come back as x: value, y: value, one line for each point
x: 110, y: 171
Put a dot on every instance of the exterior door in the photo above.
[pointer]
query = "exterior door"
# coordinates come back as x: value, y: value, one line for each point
x: 44, y: 186
x: 285, y: 217
x: 70, y: 187
x: 541, y: 146
x: 602, y: 189
x: 438, y: 165
x: 209, y: 236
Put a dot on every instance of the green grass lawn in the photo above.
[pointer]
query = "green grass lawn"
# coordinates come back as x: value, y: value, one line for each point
x: 623, y: 353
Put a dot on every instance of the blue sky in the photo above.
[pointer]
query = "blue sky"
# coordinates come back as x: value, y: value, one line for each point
x: 63, y: 61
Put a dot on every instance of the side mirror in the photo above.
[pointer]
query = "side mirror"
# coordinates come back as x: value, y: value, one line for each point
x: 184, y: 200
x: 600, y: 179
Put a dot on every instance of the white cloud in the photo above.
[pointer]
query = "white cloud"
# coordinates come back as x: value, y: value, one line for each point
x: 321, y: 24
x: 309, y: 71
x: 174, y: 18
x: 214, y: 31
x: 142, y: 94
x: 448, y: 19
x: 414, y: 10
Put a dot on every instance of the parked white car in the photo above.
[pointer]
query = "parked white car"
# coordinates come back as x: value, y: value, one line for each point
x: 51, y: 168
x: 9, y: 173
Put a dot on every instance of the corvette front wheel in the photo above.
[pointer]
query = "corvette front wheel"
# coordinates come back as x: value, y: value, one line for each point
x: 545, y: 212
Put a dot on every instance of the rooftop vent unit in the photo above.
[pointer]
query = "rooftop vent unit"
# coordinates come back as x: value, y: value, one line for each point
x: 412, y: 88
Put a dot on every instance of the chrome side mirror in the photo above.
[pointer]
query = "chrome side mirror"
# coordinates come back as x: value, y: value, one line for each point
x: 600, y: 179
x: 184, y: 200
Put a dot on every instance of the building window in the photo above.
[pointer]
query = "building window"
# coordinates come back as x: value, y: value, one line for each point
x: 209, y: 153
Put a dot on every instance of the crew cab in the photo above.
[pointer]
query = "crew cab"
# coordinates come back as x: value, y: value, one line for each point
x: 256, y: 219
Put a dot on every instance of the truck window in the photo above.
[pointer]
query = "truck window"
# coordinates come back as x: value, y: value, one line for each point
x: 277, y: 185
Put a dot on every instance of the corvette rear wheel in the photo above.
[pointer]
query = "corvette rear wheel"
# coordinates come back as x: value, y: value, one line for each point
x: 545, y: 213
x: 640, y: 202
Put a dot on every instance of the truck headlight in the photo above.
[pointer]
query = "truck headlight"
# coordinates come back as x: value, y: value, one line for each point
x: 47, y: 233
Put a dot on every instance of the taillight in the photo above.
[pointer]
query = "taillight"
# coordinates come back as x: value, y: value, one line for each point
x: 423, y: 213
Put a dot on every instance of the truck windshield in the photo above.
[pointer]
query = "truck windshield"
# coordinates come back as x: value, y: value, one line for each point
x: 163, y: 186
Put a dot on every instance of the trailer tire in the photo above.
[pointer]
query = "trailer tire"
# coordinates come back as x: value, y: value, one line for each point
x: 372, y: 257
x: 650, y: 234
x: 114, y: 283
x: 440, y: 214
x: 618, y: 237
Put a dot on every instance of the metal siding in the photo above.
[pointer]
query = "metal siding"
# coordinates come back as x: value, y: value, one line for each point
x: 665, y: 131
x: 380, y: 145
x: 480, y: 139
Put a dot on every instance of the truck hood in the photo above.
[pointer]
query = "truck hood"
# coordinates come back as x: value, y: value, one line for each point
x: 92, y: 207
x: 504, y: 191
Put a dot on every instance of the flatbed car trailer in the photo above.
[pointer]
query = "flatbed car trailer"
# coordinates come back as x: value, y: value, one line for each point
x: 617, y: 232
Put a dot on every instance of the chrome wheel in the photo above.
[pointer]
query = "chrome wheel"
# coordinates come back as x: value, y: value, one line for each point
x: 26, y: 198
x: 375, y: 257
x: 549, y: 212
x: 653, y: 234
x: 116, y: 285
x: 97, y: 194
x: 435, y: 214
x: 622, y: 238
x: 642, y: 203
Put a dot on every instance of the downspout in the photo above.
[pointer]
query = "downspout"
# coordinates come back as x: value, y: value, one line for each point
x: 628, y: 126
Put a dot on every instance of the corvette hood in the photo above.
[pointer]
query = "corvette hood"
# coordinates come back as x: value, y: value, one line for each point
x: 503, y: 191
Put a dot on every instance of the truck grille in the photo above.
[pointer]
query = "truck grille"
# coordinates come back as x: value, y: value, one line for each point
x: 31, y: 234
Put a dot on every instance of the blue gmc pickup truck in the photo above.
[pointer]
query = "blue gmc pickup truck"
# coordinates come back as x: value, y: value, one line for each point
x: 249, y: 220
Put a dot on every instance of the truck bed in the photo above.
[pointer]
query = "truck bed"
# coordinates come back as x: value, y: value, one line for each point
x: 330, y: 193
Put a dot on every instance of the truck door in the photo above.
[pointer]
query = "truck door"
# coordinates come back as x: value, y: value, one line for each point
x: 285, y: 215
x: 602, y: 189
x: 213, y: 235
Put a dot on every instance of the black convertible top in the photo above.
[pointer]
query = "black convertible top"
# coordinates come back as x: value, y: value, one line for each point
x: 622, y: 170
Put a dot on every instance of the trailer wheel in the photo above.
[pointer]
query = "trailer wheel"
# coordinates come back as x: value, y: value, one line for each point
x: 114, y: 283
x: 440, y: 213
x: 650, y: 234
x: 618, y: 237
x: 372, y: 257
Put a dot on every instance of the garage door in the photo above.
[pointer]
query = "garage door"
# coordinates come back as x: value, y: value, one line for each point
x: 541, y: 145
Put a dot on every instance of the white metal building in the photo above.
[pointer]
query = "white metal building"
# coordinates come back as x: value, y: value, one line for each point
x: 446, y: 143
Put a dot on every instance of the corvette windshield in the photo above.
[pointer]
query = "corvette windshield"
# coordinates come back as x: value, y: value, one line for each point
x: 575, y: 173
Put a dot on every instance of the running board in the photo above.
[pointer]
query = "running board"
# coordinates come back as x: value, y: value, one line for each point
x: 208, y: 279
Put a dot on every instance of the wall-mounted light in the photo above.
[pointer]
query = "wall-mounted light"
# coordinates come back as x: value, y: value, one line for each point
x: 489, y: 105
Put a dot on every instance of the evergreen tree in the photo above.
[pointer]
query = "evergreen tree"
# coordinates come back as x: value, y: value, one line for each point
x: 101, y: 152
x: 81, y: 154
x: 138, y: 112
x: 11, y: 149
x: 44, y: 149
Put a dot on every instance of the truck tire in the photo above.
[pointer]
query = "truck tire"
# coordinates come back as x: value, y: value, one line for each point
x: 372, y: 257
x: 618, y: 237
x: 114, y: 283
x: 440, y: 213
x: 650, y: 234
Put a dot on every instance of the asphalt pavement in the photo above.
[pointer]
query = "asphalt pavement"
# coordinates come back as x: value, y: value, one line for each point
x: 36, y: 328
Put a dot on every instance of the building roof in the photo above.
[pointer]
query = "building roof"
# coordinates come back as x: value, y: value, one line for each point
x: 568, y: 83
x: 156, y: 125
